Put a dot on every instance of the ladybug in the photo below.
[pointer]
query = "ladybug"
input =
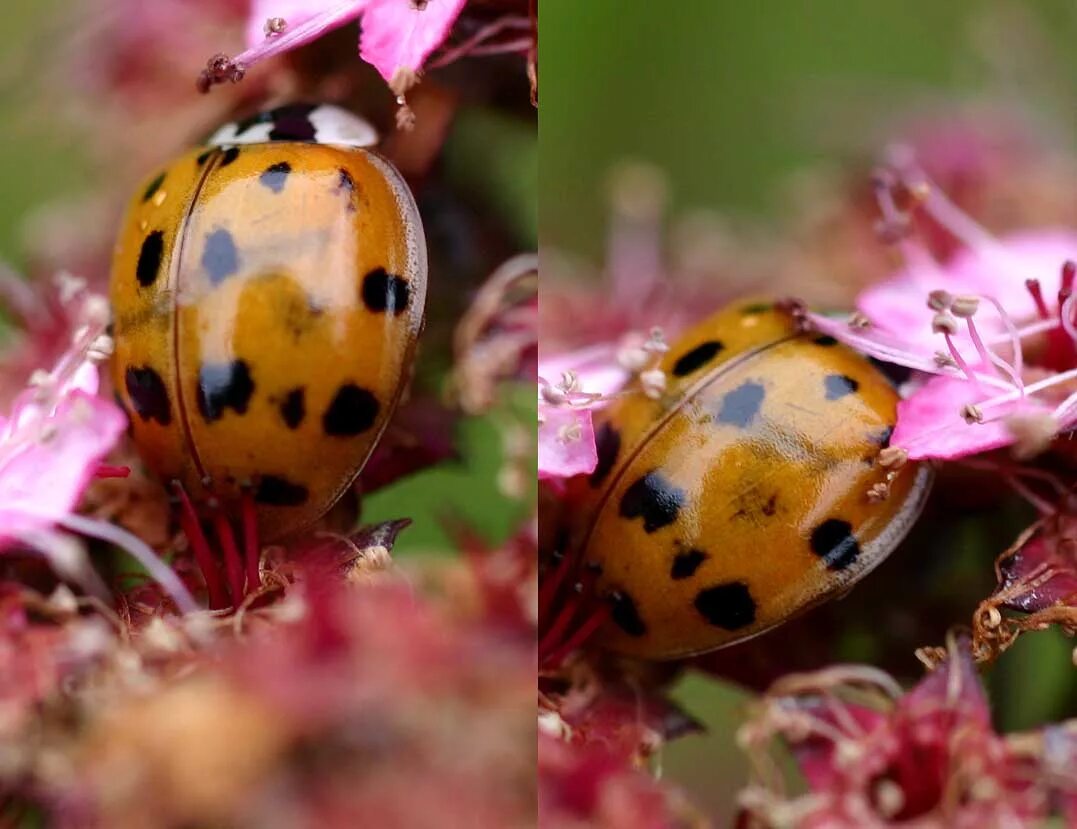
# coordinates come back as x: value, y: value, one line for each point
x: 268, y: 289
x: 758, y: 485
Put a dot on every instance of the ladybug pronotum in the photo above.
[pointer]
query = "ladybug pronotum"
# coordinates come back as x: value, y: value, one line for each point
x: 751, y: 490
x: 268, y: 289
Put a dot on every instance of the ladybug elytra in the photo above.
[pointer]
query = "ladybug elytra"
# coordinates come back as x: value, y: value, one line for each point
x: 268, y: 289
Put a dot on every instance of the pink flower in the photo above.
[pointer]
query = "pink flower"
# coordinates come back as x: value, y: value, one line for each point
x: 55, y: 437
x: 51, y: 447
x: 997, y: 323
x: 873, y: 756
x: 593, y: 785
x: 397, y: 35
x: 585, y: 380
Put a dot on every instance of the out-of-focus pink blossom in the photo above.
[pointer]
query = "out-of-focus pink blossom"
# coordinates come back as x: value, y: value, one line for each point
x: 51, y: 447
x: 595, y: 785
x: 57, y: 433
x: 882, y: 758
x: 47, y: 460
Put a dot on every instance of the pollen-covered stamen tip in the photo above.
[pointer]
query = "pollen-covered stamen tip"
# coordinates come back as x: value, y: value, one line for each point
x: 939, y: 301
x: 551, y: 394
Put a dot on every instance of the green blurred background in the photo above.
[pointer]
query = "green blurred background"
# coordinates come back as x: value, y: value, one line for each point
x: 728, y: 99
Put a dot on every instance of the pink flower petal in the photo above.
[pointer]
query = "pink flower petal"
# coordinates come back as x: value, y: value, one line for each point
x: 930, y: 425
x: 595, y: 367
x: 566, y: 443
x: 293, y: 12
x: 42, y: 480
x: 401, y: 34
x: 899, y: 304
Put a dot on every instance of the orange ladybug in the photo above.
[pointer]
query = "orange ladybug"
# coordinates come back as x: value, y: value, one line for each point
x: 756, y: 486
x: 268, y: 290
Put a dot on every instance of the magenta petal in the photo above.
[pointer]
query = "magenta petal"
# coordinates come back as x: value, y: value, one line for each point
x: 930, y: 425
x: 566, y: 443
x: 898, y: 304
x: 41, y: 481
x: 293, y: 12
x: 596, y: 368
x: 399, y: 34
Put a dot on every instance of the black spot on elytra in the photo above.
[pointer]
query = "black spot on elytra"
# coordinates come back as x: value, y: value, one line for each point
x: 685, y: 564
x: 756, y: 308
x: 352, y: 411
x: 897, y: 375
x: 149, y: 258
x: 654, y: 499
x: 383, y: 291
x: 839, y: 385
x: 833, y: 541
x: 740, y: 406
x: 697, y: 358
x: 293, y: 408
x: 771, y: 506
x: 625, y: 614
x: 153, y: 187
x: 148, y: 394
x: 220, y: 257
x: 825, y: 340
x: 203, y: 157
x: 280, y: 492
x: 230, y: 155
x: 224, y: 386
x: 729, y: 606
x: 608, y: 445
x: 275, y: 176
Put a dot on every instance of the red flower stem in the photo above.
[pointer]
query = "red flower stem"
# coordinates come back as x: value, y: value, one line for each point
x: 192, y: 528
x: 105, y: 470
x: 581, y: 635
x: 251, y: 548
x: 233, y: 565
x: 551, y: 584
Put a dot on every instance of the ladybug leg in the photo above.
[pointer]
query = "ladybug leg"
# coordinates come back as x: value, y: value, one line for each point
x: 251, y: 547
x: 192, y: 528
x: 233, y: 565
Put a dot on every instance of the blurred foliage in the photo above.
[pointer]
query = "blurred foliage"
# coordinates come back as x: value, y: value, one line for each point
x: 38, y: 163
x: 466, y: 490
x: 730, y: 98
